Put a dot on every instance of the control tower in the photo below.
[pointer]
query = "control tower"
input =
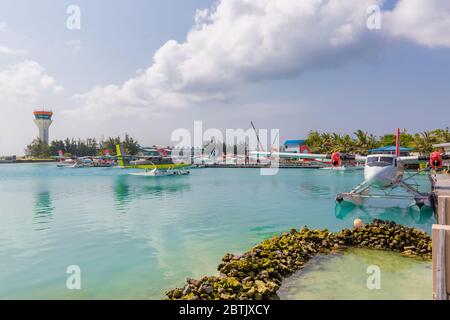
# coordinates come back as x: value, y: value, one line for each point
x: 43, y: 120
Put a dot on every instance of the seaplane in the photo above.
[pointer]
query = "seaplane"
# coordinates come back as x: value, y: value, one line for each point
x: 84, y: 162
x: 158, y: 165
x: 382, y: 173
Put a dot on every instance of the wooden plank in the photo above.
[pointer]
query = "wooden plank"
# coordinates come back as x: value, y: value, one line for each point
x: 441, y: 285
x: 441, y: 250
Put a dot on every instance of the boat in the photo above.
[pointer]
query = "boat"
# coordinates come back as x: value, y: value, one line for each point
x: 78, y: 163
x: 160, y: 173
x: 8, y: 159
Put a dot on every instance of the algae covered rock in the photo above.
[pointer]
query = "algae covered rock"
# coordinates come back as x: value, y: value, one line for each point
x: 258, y: 273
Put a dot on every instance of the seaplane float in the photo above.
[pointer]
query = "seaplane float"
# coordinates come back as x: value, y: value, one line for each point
x: 160, y: 173
x: 383, y: 173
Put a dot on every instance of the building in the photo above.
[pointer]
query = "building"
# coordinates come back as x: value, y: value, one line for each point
x: 43, y: 120
x: 391, y: 150
x: 443, y: 146
x: 296, y: 146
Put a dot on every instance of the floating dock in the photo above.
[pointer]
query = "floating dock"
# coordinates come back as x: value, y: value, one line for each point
x: 441, y: 239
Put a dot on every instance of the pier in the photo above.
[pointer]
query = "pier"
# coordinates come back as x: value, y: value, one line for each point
x: 441, y: 239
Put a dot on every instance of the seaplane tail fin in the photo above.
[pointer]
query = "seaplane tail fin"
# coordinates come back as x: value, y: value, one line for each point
x: 120, y: 150
x: 397, y: 143
x: 61, y: 155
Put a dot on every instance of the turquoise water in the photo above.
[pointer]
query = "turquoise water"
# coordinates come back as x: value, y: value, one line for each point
x: 401, y: 277
x: 135, y: 237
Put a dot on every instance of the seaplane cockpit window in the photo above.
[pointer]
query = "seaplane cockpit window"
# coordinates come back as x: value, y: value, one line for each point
x: 388, y: 161
x: 380, y: 161
x: 371, y: 160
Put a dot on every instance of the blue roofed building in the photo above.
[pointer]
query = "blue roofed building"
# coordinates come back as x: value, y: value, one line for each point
x: 296, y: 146
x: 391, y: 150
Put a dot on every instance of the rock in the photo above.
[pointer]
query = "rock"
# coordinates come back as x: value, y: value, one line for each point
x: 187, y: 290
x: 177, y: 294
x: 264, y: 274
x: 258, y: 296
x: 261, y: 287
x: 208, y: 290
x: 257, y: 274
x: 194, y: 282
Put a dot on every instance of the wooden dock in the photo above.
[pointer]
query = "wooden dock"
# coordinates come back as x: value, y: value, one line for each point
x: 441, y: 239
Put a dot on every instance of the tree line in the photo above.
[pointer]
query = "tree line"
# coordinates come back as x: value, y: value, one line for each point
x: 80, y: 147
x: 361, y: 141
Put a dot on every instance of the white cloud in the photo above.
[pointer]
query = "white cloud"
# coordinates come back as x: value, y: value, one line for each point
x: 7, y: 50
x: 236, y: 43
x: 23, y: 87
x: 240, y: 42
x: 11, y: 51
x: 424, y: 22
x: 25, y: 81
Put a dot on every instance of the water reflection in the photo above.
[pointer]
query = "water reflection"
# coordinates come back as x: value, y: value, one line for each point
x: 128, y: 188
x: 43, y: 207
x: 398, y: 213
x: 122, y: 192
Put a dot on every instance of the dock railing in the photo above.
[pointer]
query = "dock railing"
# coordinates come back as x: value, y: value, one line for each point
x: 441, y: 250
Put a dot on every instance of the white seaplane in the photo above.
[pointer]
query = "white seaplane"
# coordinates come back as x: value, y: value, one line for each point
x: 382, y: 172
x: 84, y: 162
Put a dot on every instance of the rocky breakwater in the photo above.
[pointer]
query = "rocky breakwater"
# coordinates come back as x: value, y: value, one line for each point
x: 258, y: 273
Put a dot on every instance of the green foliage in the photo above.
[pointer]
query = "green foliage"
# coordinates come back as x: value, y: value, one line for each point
x: 37, y: 149
x: 131, y: 146
x: 361, y: 141
x: 80, y: 147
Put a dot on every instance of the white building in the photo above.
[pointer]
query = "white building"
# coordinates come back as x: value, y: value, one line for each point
x: 43, y: 120
x: 445, y: 146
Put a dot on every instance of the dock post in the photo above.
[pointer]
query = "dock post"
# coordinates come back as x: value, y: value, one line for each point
x: 441, y: 251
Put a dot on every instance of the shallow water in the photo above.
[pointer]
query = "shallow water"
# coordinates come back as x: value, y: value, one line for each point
x: 136, y: 237
x: 345, y: 276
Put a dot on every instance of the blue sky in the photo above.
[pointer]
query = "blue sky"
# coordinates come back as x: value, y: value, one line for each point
x: 380, y: 80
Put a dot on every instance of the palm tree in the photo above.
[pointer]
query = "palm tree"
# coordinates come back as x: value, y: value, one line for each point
x: 364, y: 142
x: 424, y: 141
x: 442, y: 135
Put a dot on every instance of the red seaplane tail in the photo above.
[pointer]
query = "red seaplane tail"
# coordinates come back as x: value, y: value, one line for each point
x: 397, y: 143
x: 61, y: 155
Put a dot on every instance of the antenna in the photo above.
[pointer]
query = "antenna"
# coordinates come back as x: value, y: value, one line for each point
x: 257, y: 136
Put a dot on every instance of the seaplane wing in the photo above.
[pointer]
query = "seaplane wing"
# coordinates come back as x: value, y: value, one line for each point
x: 435, y: 159
x: 291, y: 155
x: 359, y: 158
x: 313, y: 156
x: 413, y: 159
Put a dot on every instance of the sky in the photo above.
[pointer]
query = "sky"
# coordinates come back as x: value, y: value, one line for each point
x: 149, y: 67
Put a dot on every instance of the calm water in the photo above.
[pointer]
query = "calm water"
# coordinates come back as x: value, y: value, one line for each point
x: 400, y: 277
x: 135, y: 237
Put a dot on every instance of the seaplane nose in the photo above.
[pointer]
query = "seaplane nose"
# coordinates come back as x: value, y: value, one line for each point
x: 371, y: 174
